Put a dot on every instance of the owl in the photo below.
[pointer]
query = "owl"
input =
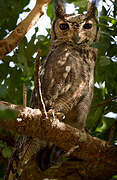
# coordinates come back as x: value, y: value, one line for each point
x: 67, y: 80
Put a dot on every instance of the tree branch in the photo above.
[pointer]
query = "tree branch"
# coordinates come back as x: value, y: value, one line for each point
x: 91, y: 150
x: 8, y: 44
x: 28, y: 123
x: 104, y: 102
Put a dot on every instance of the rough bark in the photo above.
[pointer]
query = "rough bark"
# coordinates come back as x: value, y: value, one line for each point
x: 8, y: 44
x: 94, y: 158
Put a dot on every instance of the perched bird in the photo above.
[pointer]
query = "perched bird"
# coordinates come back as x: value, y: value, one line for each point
x: 67, y: 80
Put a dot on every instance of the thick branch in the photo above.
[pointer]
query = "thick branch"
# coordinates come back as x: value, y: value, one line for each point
x: 8, y: 44
x: 97, y: 157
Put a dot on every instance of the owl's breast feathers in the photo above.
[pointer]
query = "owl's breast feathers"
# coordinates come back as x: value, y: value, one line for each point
x: 66, y: 76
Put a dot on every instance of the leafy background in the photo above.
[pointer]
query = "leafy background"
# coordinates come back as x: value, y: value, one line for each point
x: 17, y: 68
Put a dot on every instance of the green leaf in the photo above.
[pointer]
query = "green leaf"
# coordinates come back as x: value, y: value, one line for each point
x: 1, y: 144
x: 104, y: 61
x: 7, y: 114
x: 108, y: 19
x: 3, y: 91
x: 106, y: 124
x: 6, y: 152
x: 114, y: 177
x: 9, y: 13
x: 94, y: 118
x: 50, y: 10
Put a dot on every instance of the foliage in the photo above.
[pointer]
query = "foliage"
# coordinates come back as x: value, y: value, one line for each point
x: 17, y: 68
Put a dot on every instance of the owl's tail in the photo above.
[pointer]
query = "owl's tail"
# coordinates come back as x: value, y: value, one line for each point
x: 32, y: 154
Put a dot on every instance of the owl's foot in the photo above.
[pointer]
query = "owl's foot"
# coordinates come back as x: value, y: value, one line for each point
x: 54, y: 115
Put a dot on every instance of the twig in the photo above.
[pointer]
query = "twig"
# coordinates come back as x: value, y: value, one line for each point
x: 104, y: 102
x: 71, y: 151
x: 24, y: 95
x: 37, y: 82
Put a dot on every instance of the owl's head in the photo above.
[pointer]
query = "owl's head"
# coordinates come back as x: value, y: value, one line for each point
x: 78, y: 29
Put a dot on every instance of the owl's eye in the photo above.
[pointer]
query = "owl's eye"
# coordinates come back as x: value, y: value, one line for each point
x: 87, y: 26
x: 64, y: 26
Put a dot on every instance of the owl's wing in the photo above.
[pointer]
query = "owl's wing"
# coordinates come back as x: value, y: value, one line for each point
x: 64, y: 78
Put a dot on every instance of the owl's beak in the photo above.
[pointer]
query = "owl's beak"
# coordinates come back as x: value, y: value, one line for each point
x: 76, y: 37
x: 78, y: 40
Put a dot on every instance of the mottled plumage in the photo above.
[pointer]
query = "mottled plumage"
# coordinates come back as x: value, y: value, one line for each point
x: 67, y: 80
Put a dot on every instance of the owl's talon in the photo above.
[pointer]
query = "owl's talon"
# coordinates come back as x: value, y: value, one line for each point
x: 54, y: 115
x: 60, y: 116
x: 51, y: 113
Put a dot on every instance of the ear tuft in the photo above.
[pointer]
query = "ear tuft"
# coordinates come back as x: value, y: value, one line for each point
x: 91, y: 12
x: 59, y: 8
x: 92, y: 6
